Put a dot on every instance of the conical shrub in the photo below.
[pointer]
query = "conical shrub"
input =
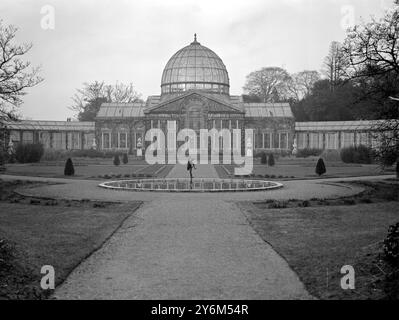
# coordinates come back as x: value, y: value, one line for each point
x: 69, y: 169
x: 125, y: 158
x: 320, y: 167
x: 270, y: 161
x: 263, y: 158
x: 117, y: 162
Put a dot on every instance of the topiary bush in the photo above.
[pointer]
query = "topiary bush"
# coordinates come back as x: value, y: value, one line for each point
x: 357, y: 154
x: 29, y: 152
x: 263, y: 158
x: 125, y: 158
x: 69, y: 169
x: 397, y: 169
x: 320, y: 167
x: 391, y: 244
x: 270, y: 160
x: 117, y: 162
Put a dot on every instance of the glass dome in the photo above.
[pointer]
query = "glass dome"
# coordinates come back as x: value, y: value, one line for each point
x: 195, y: 67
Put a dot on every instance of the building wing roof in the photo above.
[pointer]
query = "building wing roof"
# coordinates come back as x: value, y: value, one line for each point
x: 337, y: 125
x: 153, y: 101
x: 121, y: 110
x: 268, y: 110
x: 85, y: 126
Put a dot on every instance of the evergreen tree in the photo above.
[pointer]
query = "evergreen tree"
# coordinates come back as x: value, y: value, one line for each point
x: 69, y: 169
x: 125, y: 158
x: 263, y: 159
x: 270, y: 161
x: 320, y: 167
x: 117, y: 162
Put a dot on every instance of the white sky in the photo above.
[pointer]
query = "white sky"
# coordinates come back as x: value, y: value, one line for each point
x: 131, y: 40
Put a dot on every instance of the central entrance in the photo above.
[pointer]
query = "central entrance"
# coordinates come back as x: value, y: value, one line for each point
x: 195, y: 119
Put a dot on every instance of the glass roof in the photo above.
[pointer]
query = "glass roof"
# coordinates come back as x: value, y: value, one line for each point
x: 195, y: 64
x: 121, y: 110
x: 50, y: 125
x: 336, y: 125
x: 265, y: 110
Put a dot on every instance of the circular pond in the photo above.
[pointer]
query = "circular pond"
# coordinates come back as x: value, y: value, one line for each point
x: 197, y: 185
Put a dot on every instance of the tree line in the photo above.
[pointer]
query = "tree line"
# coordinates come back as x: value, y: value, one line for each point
x: 357, y: 81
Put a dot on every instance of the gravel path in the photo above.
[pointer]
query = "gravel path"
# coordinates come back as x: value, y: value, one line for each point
x: 184, y: 250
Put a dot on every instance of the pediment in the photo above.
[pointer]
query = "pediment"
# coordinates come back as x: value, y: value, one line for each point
x: 180, y: 104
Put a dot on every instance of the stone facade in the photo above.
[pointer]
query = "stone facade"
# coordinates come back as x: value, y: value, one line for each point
x: 192, y: 110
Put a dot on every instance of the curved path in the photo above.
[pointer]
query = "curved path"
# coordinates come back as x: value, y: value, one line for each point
x: 185, y: 246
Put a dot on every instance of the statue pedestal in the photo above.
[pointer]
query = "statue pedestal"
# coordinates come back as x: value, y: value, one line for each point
x: 139, y: 152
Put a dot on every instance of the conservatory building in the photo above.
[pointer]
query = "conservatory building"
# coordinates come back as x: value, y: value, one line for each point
x: 195, y: 94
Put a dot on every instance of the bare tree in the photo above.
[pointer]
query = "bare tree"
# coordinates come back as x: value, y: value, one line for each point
x: 336, y: 64
x: 16, y: 75
x: 301, y: 84
x: 373, y: 52
x: 121, y: 93
x: 87, y: 101
x: 373, y: 48
x: 267, y: 83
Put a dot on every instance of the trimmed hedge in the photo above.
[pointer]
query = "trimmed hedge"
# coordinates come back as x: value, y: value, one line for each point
x: 357, y: 154
x: 308, y: 152
x: 56, y: 155
x: 29, y: 152
x: 331, y: 155
x: 92, y: 153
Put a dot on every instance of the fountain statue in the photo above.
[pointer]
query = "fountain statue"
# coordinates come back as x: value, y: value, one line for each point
x: 295, y: 147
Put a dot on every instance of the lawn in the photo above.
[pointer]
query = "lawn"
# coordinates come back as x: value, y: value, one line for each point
x: 318, y: 241
x: 305, y: 169
x: 87, y: 171
x: 36, y: 232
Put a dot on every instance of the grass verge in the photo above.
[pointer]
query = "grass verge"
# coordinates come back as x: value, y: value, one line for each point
x: 317, y: 241
x: 36, y: 232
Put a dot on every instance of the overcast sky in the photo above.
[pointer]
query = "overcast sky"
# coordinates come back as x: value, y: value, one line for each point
x: 131, y: 40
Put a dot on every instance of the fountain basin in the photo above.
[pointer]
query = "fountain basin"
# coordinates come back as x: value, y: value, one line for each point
x: 198, y: 185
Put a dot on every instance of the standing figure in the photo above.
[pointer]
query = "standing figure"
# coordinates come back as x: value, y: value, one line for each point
x: 190, y: 166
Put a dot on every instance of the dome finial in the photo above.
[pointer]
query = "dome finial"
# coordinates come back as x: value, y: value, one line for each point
x: 195, y: 39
